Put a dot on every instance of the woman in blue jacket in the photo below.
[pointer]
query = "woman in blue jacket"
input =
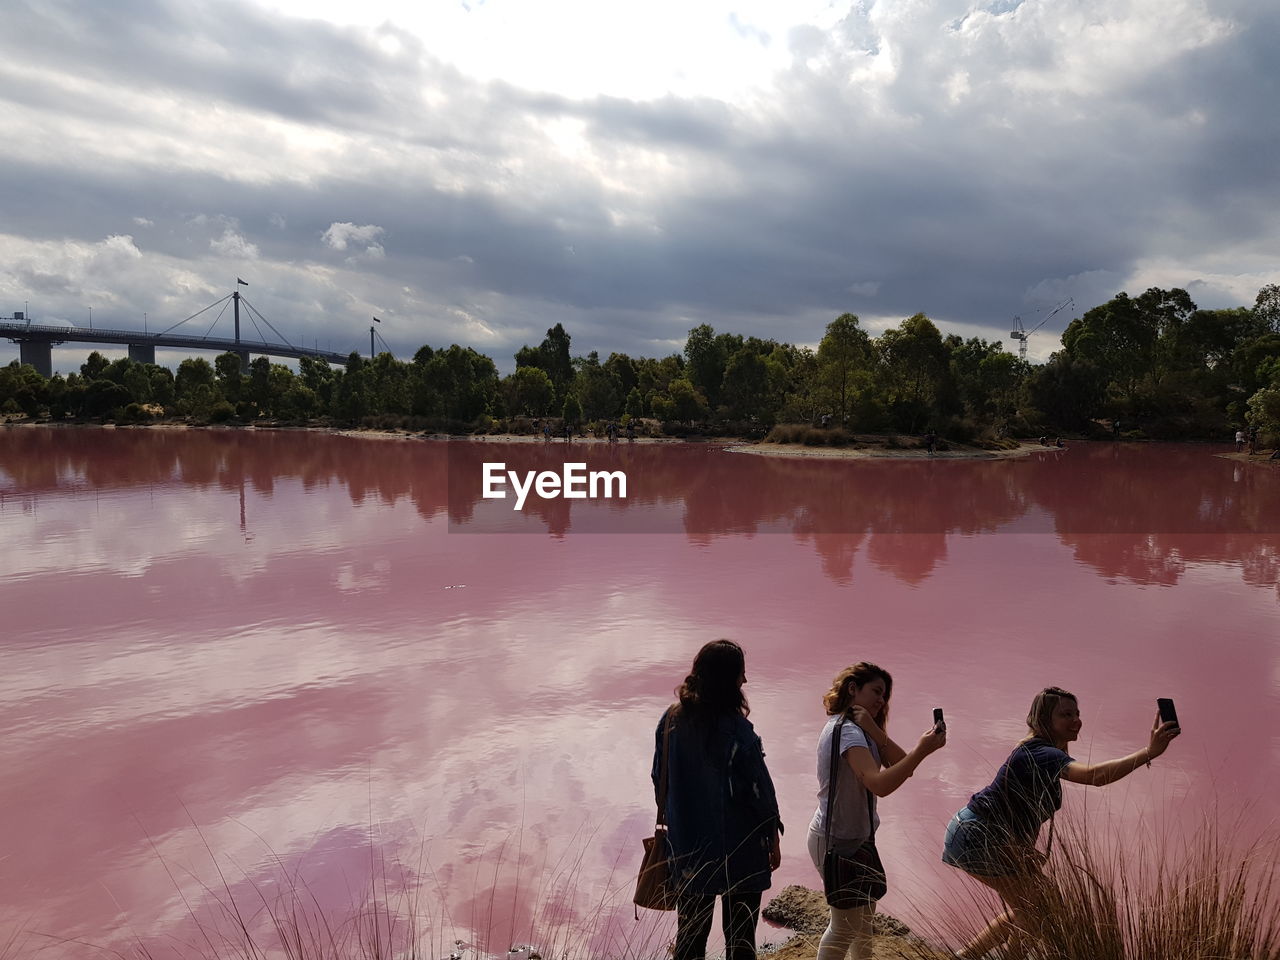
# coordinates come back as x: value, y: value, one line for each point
x: 721, y: 809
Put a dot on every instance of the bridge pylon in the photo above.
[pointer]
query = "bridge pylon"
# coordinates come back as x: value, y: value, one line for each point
x: 38, y: 353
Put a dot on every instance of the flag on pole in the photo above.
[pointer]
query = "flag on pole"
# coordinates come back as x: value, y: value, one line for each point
x: 376, y: 320
x: 243, y: 283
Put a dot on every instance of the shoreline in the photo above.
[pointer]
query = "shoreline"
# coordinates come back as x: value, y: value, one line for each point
x: 865, y: 447
x: 955, y: 451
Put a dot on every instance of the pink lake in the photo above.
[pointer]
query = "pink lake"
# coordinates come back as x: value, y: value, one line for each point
x: 239, y: 660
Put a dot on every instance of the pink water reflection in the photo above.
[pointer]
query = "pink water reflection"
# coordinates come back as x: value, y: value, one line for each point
x: 293, y: 637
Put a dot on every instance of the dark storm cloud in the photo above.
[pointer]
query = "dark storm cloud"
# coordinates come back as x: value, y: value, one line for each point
x: 954, y: 185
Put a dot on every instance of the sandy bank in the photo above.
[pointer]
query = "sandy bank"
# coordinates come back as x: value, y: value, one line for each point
x: 873, y: 451
x: 1262, y: 458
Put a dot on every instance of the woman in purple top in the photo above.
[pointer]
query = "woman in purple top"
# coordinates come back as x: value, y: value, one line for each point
x: 993, y: 838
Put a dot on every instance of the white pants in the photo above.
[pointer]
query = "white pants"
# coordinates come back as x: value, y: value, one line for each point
x: 848, y: 932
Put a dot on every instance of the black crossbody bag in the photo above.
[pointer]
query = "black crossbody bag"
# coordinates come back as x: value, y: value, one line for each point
x: 854, y: 879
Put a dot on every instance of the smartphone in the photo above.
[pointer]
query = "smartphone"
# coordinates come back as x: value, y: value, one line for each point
x: 1167, y: 713
x: 942, y: 724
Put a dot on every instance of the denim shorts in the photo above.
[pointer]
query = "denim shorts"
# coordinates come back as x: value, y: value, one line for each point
x: 976, y: 848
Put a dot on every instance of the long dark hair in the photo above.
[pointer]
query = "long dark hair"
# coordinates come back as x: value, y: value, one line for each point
x: 714, y: 684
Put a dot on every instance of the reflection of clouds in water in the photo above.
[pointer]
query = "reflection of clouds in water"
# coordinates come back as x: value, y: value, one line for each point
x: 373, y: 577
x: 321, y: 678
x: 63, y: 535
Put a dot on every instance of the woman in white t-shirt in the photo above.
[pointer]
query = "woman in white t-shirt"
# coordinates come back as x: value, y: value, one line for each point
x: 871, y: 761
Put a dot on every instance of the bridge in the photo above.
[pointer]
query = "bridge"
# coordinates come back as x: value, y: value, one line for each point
x: 35, y: 341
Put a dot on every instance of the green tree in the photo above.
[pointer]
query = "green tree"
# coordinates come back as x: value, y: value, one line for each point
x: 352, y: 395
x: 137, y: 380
x: 528, y: 391
x: 1264, y: 411
x: 597, y: 389
x: 914, y: 363
x: 623, y: 370
x: 21, y: 387
x: 457, y: 384
x: 635, y: 403
x: 707, y: 355
x: 391, y: 383
x: 299, y: 402
x: 320, y: 378
x: 195, y: 372
x: 94, y: 367
x: 845, y: 359
x: 1266, y: 308
x: 1130, y: 339
x: 987, y: 378
x: 687, y: 403
x: 572, y: 410
x: 1068, y: 391
x: 229, y: 376
x: 745, y: 389
x: 260, y: 384
x: 551, y: 357
x: 104, y: 398
x: 162, y: 385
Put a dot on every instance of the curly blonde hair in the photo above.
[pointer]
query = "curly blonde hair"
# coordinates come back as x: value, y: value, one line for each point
x: 839, y: 698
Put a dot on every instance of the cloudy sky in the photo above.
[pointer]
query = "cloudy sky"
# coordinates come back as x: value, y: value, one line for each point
x: 474, y: 171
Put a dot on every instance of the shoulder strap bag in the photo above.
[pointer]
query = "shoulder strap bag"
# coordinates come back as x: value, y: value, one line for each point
x: 851, y: 879
x: 655, y: 886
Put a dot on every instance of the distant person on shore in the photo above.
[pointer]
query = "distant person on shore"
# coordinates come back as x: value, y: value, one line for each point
x: 869, y: 765
x: 631, y: 431
x: 546, y: 432
x: 993, y: 838
x: 931, y: 442
x: 568, y: 431
x: 1253, y: 440
x: 1239, y: 440
x: 1057, y: 442
x: 1115, y: 429
x: 721, y: 809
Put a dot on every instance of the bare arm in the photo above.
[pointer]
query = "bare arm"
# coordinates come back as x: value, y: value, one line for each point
x: 890, y: 752
x: 883, y: 782
x: 1109, y: 771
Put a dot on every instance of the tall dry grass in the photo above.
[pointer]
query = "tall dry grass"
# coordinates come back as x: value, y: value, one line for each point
x: 1209, y: 895
x: 398, y: 911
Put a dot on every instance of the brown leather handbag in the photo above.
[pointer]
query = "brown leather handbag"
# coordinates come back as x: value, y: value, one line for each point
x: 655, y: 886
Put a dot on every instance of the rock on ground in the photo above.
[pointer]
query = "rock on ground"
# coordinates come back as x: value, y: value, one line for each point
x: 805, y: 911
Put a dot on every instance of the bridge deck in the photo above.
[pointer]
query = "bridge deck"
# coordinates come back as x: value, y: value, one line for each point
x: 36, y: 333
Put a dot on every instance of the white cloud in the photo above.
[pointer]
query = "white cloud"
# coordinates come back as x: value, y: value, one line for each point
x: 339, y: 235
x: 232, y: 244
x: 753, y: 165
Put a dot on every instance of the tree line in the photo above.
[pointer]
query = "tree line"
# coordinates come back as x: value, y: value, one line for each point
x: 1155, y: 363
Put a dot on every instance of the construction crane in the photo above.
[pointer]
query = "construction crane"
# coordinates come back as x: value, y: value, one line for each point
x: 1021, y: 333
